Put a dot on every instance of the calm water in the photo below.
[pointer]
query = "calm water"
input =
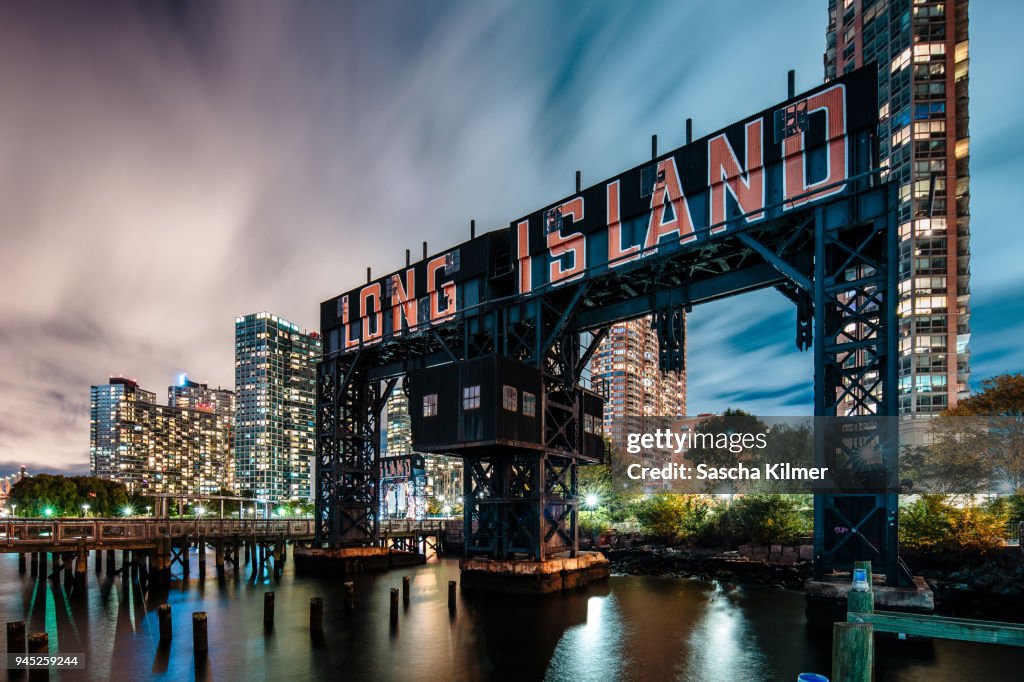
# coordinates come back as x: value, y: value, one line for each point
x: 631, y: 628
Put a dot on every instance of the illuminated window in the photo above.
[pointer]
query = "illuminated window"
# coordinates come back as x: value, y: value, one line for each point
x: 529, y: 404
x: 471, y: 398
x: 510, y: 398
x: 430, y: 405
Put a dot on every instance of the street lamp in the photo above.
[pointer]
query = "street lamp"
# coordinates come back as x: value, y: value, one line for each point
x: 127, y: 511
x: 148, y: 508
x: 48, y: 512
x: 14, y: 510
x: 85, y: 510
x: 591, y: 501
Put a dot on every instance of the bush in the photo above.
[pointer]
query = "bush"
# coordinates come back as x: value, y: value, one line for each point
x: 594, y: 522
x: 932, y: 524
x: 674, y: 518
x: 764, y: 520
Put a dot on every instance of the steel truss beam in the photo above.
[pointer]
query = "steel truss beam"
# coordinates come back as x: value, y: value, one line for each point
x: 835, y: 262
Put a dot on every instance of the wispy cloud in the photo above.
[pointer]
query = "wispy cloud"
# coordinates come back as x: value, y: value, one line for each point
x: 165, y: 167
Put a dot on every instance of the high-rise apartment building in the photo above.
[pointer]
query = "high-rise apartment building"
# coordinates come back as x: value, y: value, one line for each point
x: 180, y: 448
x: 921, y: 51
x: 275, y: 417
x: 625, y: 370
x: 192, y: 395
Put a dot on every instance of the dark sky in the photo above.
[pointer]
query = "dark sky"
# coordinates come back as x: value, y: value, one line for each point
x: 165, y: 167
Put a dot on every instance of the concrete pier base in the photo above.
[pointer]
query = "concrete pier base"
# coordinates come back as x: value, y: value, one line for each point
x: 520, y: 576
x: 314, y: 560
x: 825, y: 600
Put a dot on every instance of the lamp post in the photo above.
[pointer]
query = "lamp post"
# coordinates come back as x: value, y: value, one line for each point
x: 85, y: 510
x: 14, y: 510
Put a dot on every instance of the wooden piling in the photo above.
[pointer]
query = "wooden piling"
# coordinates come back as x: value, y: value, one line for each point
x: 125, y: 563
x: 350, y: 596
x: 394, y: 604
x: 185, y: 562
x: 853, y: 652
x: 34, y: 562
x: 111, y: 562
x: 451, y: 595
x: 99, y: 561
x: 405, y: 589
x: 39, y: 643
x: 268, y: 608
x: 199, y: 641
x: 16, y: 637
x: 218, y: 555
x: 316, y: 614
x: 81, y: 563
x: 164, y: 614
x: 201, y: 551
x: 21, y: 563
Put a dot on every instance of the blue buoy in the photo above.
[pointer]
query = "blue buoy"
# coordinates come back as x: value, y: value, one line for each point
x: 811, y: 677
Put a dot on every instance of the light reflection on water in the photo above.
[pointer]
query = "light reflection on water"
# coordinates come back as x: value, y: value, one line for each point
x: 631, y: 628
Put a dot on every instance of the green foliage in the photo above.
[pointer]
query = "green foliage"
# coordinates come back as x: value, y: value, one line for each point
x: 674, y: 518
x: 932, y: 524
x: 764, y: 520
x: 594, y: 522
x: 66, y: 495
x: 434, y: 507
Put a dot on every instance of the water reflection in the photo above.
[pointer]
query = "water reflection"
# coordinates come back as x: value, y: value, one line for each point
x: 631, y: 628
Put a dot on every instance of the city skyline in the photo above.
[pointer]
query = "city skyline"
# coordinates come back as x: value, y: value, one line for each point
x: 259, y: 183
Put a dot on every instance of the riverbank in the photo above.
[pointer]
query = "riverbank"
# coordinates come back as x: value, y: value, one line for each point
x: 706, y: 564
x: 989, y: 587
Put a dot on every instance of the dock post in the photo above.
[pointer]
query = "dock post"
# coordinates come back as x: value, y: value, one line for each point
x: 199, y: 641
x: 853, y: 652
x: 99, y: 561
x: 405, y: 589
x: 451, y: 596
x: 316, y: 615
x: 16, y: 637
x: 34, y: 563
x: 125, y: 563
x: 21, y: 563
x: 39, y: 643
x: 218, y: 556
x: 268, y: 608
x: 201, y: 550
x: 861, y: 601
x: 81, y: 565
x: 111, y: 562
x: 164, y: 614
x: 185, y: 560
x: 394, y: 604
x: 350, y: 596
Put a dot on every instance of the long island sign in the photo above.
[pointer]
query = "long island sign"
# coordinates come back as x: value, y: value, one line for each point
x: 764, y: 167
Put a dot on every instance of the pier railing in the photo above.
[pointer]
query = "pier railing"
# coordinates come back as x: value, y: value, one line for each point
x: 28, y: 532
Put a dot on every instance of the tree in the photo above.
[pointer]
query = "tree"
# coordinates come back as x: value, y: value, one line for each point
x: 65, y: 495
x: 721, y: 454
x: 976, y: 446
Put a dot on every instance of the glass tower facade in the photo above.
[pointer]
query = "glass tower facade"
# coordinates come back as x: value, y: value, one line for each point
x: 921, y: 52
x: 275, y: 431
